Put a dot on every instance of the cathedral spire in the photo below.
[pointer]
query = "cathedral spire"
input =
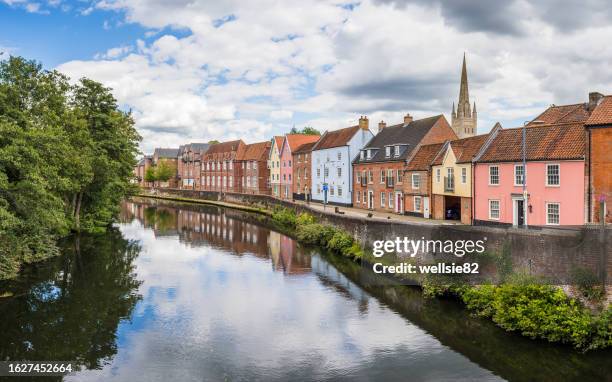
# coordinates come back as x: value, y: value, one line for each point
x: 464, y: 96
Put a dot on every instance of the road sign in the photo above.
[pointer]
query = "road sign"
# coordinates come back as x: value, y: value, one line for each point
x: 325, y: 188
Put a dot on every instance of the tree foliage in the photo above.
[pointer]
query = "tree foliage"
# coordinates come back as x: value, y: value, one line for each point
x: 308, y: 130
x: 164, y: 170
x: 66, y: 157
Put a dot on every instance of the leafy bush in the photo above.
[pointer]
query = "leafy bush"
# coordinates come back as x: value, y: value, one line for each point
x: 285, y: 217
x: 602, y: 330
x: 304, y: 219
x: 340, y: 242
x: 315, y: 234
x: 588, y: 284
x: 480, y: 299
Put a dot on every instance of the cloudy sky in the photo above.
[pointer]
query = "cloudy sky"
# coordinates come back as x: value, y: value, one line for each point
x: 194, y: 70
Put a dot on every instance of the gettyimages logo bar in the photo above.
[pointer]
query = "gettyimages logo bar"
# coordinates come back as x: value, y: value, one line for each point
x: 405, y: 246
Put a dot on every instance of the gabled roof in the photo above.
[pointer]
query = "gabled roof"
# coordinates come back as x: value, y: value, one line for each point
x: 423, y: 158
x: 602, y: 115
x: 293, y: 141
x: 464, y: 149
x: 278, y: 141
x: 408, y: 136
x: 255, y: 151
x: 578, y: 112
x: 546, y: 142
x: 162, y: 152
x: 305, y: 148
x: 336, y: 138
x: 224, y: 149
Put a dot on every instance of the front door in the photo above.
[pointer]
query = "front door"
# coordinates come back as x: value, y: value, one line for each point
x: 519, y: 212
x: 426, y: 207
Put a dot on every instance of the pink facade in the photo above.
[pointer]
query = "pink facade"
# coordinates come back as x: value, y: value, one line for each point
x: 286, y: 171
x: 561, y: 204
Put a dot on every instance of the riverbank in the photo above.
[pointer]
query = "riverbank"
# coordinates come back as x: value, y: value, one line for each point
x: 520, y: 303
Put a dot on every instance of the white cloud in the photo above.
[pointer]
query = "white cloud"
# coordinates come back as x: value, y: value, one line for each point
x: 250, y: 69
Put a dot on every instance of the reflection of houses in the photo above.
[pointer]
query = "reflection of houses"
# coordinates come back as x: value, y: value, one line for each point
x: 286, y: 255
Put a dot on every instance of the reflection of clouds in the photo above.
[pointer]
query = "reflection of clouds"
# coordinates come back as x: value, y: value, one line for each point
x: 207, y: 315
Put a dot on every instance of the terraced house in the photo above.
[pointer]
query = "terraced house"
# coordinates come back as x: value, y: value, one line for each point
x: 274, y: 164
x: 302, y: 178
x: 189, y: 164
x: 331, y: 162
x: 290, y: 143
x: 219, y: 170
x: 253, y: 163
x: 452, y: 180
x: 417, y: 187
x: 379, y: 168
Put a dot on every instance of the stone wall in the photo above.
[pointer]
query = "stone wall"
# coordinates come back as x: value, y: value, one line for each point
x: 552, y: 253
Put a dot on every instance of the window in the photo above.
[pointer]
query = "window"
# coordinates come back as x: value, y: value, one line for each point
x: 552, y: 213
x: 339, y: 155
x: 299, y: 173
x: 331, y: 190
x: 388, y: 151
x: 358, y: 175
x: 243, y: 181
x: 382, y: 176
x: 284, y: 176
x: 518, y: 174
x: 416, y: 181
x: 357, y: 197
x: 326, y: 171
x: 290, y: 177
x: 254, y: 181
x: 438, y: 175
x: 339, y: 191
x: 362, y: 155
x: 400, y: 176
x: 494, y: 209
x: 254, y: 165
x: 231, y: 181
x: 397, y: 150
x: 382, y: 199
x: 248, y: 181
x: 493, y: 175
x: 369, y: 153
x: 464, y: 175
x: 370, y: 176
x: 305, y: 173
x: 552, y: 175
x: 390, y: 200
x: 365, y: 200
x: 318, y: 188
x: 299, y: 158
x: 417, y: 204
x: 231, y: 165
x: 318, y: 172
x: 289, y: 163
x: 339, y: 172
x: 243, y: 165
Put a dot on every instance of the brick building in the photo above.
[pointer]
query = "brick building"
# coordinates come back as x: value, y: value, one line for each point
x: 302, y: 178
x: 287, y: 173
x: 141, y: 170
x: 219, y: 171
x: 599, y: 159
x: 417, y: 184
x: 379, y: 168
x: 253, y: 164
x: 189, y: 165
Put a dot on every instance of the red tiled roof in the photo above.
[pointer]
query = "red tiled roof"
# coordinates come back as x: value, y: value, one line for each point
x: 305, y: 148
x: 336, y: 138
x: 256, y: 151
x: 602, y: 115
x: 546, y: 142
x: 278, y: 140
x: 296, y: 140
x: 465, y: 149
x: 423, y: 158
x: 562, y: 114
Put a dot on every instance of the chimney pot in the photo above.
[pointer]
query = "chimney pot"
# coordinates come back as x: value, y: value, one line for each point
x: 363, y: 123
x: 594, y: 98
x: 407, y: 118
x: 381, y: 125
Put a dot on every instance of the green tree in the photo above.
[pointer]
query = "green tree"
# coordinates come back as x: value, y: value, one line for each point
x: 164, y: 170
x: 150, y: 175
x: 213, y: 142
x: 308, y: 130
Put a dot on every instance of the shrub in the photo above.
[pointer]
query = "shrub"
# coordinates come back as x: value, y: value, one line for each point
x: 602, y: 330
x: 315, y: 234
x: 480, y: 299
x: 304, y: 219
x: 588, y: 284
x: 340, y: 242
x: 285, y: 217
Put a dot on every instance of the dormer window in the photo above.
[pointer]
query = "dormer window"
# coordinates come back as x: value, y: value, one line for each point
x: 397, y: 150
x: 362, y: 155
x: 388, y: 151
x: 369, y: 153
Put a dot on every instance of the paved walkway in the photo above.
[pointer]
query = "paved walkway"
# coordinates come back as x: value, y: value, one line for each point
x: 384, y: 216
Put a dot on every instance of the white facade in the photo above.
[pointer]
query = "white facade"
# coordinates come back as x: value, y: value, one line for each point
x: 334, y: 167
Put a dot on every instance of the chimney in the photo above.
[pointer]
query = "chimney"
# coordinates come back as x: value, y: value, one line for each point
x: 381, y: 126
x: 594, y: 98
x: 363, y: 122
x: 407, y: 118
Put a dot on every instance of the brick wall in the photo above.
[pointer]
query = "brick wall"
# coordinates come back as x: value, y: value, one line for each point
x: 300, y: 183
x: 260, y: 172
x: 438, y: 207
x: 376, y: 186
x: 423, y: 190
x: 439, y: 133
x: 601, y: 171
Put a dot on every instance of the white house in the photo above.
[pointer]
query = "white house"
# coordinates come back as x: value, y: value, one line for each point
x: 331, y: 163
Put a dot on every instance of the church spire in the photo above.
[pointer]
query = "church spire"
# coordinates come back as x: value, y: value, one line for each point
x: 464, y: 96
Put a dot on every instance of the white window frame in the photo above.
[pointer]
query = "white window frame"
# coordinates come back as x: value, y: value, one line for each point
x: 382, y: 176
x: 498, y: 176
x: 382, y: 199
x: 558, y: 174
x: 358, y: 197
x: 400, y: 176
x: 463, y: 175
x: 339, y: 171
x: 420, y: 203
x: 339, y: 190
x: 523, y: 175
x: 438, y: 175
x: 397, y: 150
x: 390, y: 202
x: 498, y: 209
x: 387, y: 151
x: 418, y: 177
x: 558, y: 212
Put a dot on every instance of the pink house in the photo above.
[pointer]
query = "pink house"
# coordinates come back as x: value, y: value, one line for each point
x: 555, y: 177
x: 290, y: 143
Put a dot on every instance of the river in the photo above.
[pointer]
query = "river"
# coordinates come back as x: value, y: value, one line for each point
x: 180, y: 292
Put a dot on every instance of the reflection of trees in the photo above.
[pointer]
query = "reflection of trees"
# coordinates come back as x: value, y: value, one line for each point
x: 70, y: 309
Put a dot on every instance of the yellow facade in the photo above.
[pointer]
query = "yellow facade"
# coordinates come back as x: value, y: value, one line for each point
x: 274, y: 165
x: 460, y: 172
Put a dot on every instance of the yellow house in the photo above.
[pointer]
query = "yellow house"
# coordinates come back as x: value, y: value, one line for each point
x: 451, y: 179
x: 274, y: 165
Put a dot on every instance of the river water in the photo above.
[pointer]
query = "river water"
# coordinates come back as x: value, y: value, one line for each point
x: 197, y: 293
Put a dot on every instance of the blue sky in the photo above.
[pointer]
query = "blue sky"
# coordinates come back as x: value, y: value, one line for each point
x: 195, y: 70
